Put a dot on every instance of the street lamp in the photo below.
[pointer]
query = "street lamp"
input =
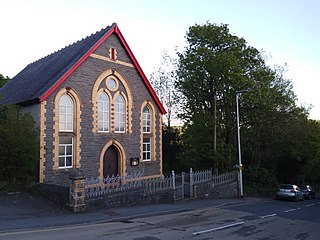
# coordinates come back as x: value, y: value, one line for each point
x: 238, y: 94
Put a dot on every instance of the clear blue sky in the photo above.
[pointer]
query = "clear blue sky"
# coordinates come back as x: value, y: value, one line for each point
x: 287, y: 30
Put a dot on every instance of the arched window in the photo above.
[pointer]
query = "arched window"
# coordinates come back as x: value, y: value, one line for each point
x: 148, y: 137
x: 103, y: 112
x: 66, y: 119
x: 120, y: 99
x: 146, y: 120
x: 119, y: 114
x: 66, y: 114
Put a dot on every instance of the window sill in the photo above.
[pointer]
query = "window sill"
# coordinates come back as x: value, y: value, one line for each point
x: 65, y: 168
x: 146, y: 162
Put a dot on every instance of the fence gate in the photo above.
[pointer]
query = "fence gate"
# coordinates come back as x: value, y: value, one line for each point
x: 179, y: 185
x: 183, y: 184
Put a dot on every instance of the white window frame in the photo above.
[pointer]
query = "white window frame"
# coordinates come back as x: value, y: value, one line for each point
x: 146, y: 149
x: 146, y: 120
x: 120, y: 116
x: 65, y: 155
x: 66, y: 112
x: 103, y: 113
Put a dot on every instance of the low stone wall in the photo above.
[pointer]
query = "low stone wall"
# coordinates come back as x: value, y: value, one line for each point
x: 116, y: 199
x: 211, y: 190
x: 165, y: 196
x: 131, y: 197
x: 80, y: 196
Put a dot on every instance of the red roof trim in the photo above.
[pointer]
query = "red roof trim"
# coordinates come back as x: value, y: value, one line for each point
x: 84, y: 57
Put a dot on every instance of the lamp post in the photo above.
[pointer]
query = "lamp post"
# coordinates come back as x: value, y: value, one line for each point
x: 238, y: 94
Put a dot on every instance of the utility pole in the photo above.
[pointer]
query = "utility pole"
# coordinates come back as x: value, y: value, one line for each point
x: 238, y: 94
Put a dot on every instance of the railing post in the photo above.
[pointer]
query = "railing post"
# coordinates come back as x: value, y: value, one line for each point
x: 191, y: 183
x: 182, y: 185
x: 173, y: 180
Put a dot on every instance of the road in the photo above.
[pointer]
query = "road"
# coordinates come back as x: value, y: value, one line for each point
x: 269, y: 219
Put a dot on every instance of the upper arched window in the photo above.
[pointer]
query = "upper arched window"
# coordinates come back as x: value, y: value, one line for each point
x: 119, y: 114
x: 103, y: 112
x: 66, y: 114
x: 146, y: 120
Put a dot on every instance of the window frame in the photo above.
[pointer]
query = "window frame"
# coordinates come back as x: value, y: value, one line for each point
x: 146, y: 120
x: 66, y: 114
x: 76, y: 161
x: 65, y: 155
x: 146, y: 149
x: 120, y: 116
x: 105, y: 113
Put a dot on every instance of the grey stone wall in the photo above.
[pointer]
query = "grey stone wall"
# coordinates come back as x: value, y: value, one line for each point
x: 81, y: 81
x: 129, y: 198
x: 211, y: 190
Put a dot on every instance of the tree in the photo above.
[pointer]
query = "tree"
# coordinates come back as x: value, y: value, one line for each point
x: 18, y: 146
x: 162, y: 80
x: 3, y: 80
x: 214, y: 65
x: 171, y: 147
x: 274, y: 130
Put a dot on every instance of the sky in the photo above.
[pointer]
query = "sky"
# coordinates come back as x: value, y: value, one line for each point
x: 285, y: 30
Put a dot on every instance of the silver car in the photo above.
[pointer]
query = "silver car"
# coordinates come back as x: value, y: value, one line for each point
x: 289, y: 192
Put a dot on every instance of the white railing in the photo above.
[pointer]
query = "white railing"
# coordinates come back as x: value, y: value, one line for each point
x: 224, y: 178
x: 100, y: 187
x: 158, y: 184
x: 103, y: 186
x: 201, y: 176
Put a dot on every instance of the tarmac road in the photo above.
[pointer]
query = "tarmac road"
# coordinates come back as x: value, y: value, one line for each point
x: 23, y: 211
x: 228, y: 219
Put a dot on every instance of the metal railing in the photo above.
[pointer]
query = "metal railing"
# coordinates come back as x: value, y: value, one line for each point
x: 183, y: 184
x: 103, y: 186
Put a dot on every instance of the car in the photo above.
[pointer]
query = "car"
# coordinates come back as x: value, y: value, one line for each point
x: 308, y: 193
x: 289, y: 192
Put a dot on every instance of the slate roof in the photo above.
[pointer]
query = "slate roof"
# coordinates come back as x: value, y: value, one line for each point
x: 37, y: 77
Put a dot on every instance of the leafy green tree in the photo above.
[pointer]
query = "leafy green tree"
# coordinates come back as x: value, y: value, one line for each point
x: 18, y: 146
x: 3, y: 80
x: 275, y: 132
x: 213, y: 67
x: 171, y: 147
x: 274, y: 128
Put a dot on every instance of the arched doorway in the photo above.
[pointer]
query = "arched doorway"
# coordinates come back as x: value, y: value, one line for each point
x: 110, y: 162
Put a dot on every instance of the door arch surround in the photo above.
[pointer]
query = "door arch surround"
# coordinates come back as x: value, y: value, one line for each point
x: 121, y: 157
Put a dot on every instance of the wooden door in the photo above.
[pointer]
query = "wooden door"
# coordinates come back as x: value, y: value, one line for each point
x: 110, y: 162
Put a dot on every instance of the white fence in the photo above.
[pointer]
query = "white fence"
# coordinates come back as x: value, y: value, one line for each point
x: 103, y: 186
x: 100, y: 187
x: 155, y: 185
x: 201, y: 176
x: 225, y: 178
